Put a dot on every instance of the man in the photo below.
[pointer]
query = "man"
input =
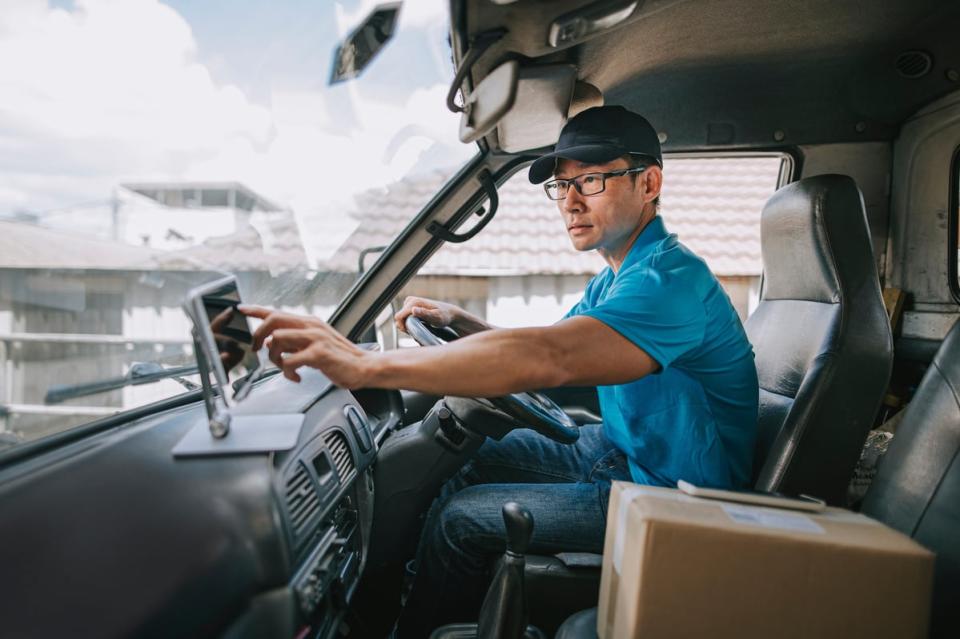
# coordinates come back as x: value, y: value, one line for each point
x: 654, y: 331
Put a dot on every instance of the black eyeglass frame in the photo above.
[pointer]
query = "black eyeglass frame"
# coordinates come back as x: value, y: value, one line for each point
x: 577, y: 185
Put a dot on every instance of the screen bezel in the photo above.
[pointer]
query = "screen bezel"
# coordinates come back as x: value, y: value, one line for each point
x: 197, y: 313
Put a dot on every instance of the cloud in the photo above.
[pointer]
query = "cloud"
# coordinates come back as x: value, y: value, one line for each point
x: 413, y: 13
x: 109, y: 90
x: 114, y: 91
x: 125, y: 69
x: 313, y: 167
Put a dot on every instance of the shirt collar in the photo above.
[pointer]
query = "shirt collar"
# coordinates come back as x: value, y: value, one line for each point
x: 651, y: 235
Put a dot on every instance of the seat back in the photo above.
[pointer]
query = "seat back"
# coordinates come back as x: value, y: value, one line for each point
x: 917, y: 487
x: 821, y: 336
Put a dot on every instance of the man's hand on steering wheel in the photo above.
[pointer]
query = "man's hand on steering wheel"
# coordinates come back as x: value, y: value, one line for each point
x: 437, y: 314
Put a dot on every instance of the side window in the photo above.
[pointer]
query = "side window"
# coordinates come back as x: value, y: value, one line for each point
x: 520, y: 271
x: 523, y: 271
x: 714, y: 206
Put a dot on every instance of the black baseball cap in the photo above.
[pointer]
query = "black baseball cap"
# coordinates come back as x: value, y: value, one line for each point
x: 599, y: 135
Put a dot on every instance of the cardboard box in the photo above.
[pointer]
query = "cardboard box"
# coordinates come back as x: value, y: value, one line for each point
x: 681, y: 566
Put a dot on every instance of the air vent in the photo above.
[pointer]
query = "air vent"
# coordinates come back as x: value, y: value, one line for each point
x: 340, y: 451
x: 303, y: 502
x: 914, y: 64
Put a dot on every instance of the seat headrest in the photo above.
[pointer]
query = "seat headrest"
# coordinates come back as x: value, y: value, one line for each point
x: 814, y: 233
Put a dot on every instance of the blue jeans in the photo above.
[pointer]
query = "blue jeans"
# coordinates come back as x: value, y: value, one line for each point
x: 565, y: 487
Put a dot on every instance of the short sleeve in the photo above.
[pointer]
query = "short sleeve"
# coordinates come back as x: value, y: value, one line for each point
x: 590, y: 294
x: 659, y: 312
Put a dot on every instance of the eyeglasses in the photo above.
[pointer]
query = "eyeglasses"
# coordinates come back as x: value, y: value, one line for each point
x: 586, y: 184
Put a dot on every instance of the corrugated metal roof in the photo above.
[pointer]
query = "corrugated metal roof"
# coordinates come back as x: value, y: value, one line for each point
x: 273, y: 246
x: 33, y: 247
x: 713, y: 205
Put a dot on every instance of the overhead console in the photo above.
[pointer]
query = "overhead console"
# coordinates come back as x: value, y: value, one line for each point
x: 544, y: 28
x: 517, y: 90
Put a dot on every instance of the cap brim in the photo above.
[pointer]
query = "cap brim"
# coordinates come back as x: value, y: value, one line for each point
x: 542, y: 168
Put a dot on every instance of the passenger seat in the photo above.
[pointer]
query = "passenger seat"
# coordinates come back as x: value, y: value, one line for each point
x: 917, y: 487
x: 821, y: 336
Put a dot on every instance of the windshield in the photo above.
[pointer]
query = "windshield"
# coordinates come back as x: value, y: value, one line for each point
x: 149, y: 147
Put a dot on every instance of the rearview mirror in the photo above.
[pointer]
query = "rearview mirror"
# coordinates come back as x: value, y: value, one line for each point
x: 356, y: 52
x: 489, y: 102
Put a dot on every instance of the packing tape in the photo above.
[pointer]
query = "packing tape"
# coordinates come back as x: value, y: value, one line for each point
x: 626, y: 498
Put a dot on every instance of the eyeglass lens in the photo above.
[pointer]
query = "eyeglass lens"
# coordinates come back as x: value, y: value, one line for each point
x: 588, y: 184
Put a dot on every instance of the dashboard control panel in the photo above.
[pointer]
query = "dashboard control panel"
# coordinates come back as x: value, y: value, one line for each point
x: 329, y: 576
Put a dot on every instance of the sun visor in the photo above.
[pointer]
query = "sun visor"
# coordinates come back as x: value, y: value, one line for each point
x: 544, y: 94
x: 487, y: 104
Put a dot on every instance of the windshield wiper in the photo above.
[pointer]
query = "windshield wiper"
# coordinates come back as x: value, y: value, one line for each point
x: 139, y: 373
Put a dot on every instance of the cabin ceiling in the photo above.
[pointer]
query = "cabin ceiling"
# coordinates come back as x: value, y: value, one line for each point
x: 736, y: 73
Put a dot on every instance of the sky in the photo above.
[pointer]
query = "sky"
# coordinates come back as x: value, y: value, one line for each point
x: 101, y: 92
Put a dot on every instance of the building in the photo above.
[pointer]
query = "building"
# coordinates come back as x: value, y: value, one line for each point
x: 76, y: 310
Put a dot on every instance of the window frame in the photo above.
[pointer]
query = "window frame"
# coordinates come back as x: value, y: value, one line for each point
x: 953, y: 226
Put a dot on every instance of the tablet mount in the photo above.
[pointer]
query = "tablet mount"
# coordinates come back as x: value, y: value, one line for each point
x: 218, y: 415
x: 226, y: 432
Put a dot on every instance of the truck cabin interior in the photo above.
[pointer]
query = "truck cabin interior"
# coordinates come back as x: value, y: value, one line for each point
x: 105, y: 533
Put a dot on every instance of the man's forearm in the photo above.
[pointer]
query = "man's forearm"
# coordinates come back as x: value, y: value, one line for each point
x: 468, y: 324
x: 490, y: 363
x: 487, y: 364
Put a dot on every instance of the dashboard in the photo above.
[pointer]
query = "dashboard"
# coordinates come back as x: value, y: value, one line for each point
x: 111, y: 536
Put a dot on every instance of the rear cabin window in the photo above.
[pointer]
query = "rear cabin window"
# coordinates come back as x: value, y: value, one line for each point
x: 953, y: 235
x: 522, y: 270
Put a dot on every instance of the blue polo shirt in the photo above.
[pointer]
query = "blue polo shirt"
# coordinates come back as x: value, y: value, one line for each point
x: 697, y: 418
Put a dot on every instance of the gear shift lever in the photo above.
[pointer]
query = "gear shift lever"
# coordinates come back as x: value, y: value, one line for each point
x: 519, y: 523
x: 504, y: 611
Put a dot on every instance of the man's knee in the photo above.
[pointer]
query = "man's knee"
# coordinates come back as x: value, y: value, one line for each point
x: 470, y: 523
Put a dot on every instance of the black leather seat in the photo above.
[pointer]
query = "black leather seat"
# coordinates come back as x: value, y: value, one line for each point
x: 916, y: 490
x: 824, y: 354
x: 821, y: 336
x: 917, y: 487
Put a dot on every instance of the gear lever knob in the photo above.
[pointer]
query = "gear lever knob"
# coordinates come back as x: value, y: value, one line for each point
x: 519, y: 523
x: 504, y: 611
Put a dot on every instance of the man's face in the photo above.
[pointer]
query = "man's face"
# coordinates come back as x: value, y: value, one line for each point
x: 606, y: 220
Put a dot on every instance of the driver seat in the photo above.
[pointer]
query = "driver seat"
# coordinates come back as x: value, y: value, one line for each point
x: 824, y: 353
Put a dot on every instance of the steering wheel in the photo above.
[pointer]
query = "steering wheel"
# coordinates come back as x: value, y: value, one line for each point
x: 528, y: 410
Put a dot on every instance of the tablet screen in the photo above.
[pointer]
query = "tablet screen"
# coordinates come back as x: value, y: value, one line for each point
x: 231, y: 330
